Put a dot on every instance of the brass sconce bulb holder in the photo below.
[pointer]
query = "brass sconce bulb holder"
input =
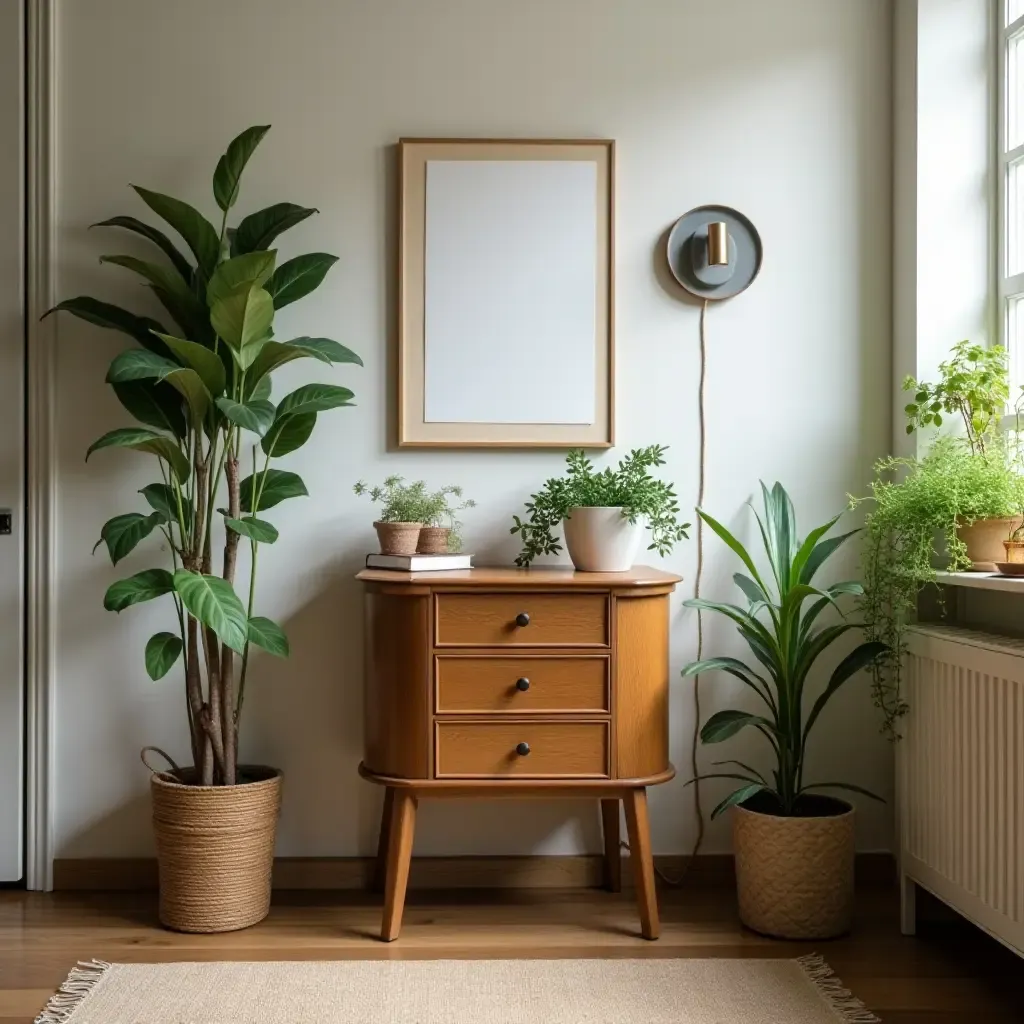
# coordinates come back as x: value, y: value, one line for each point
x: 714, y: 252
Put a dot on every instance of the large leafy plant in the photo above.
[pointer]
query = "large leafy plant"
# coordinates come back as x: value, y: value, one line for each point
x: 963, y: 477
x: 629, y: 486
x: 201, y: 393
x: 780, y: 625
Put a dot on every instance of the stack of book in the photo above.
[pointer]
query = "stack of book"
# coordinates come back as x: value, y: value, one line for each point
x: 420, y: 563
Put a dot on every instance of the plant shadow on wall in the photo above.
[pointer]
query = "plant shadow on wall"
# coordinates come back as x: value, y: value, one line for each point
x: 202, y: 397
x: 965, y: 494
x: 794, y: 847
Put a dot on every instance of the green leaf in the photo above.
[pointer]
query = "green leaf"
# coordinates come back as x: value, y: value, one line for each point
x: 266, y: 633
x: 844, y: 785
x: 313, y: 398
x: 735, y: 668
x: 296, y: 278
x: 143, y: 586
x: 123, y: 533
x: 197, y: 231
x: 288, y: 434
x: 243, y: 319
x: 326, y: 349
x: 166, y: 278
x: 258, y: 230
x: 141, y: 440
x: 156, y: 236
x: 161, y: 497
x: 734, y: 544
x: 112, y: 318
x: 258, y: 530
x: 255, y: 415
x: 198, y: 399
x: 724, y: 725
x: 206, y: 363
x: 162, y: 652
x: 738, y: 797
x: 275, y: 354
x: 860, y: 657
x: 139, y: 364
x: 154, y: 403
x: 215, y: 604
x: 753, y: 593
x: 240, y: 274
x: 822, y: 551
x: 228, y: 175
x: 264, y: 386
x: 746, y: 767
x: 280, y: 485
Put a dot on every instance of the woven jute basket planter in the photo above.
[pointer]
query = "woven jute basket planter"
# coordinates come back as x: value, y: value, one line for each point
x: 398, y: 538
x: 984, y: 539
x: 794, y: 876
x: 433, y: 540
x: 215, y: 848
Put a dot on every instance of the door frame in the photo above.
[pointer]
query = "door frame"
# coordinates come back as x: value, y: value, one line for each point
x: 41, y: 484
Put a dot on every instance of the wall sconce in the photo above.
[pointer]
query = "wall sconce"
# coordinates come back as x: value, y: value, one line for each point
x: 714, y: 252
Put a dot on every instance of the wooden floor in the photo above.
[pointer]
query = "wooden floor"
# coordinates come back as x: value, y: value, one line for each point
x: 947, y: 975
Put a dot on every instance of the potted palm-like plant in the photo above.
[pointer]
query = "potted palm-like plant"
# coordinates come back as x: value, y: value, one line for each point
x: 603, y: 513
x: 794, y: 845
x: 201, y: 393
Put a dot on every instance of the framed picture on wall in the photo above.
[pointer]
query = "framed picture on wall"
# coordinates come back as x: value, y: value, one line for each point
x: 506, y: 293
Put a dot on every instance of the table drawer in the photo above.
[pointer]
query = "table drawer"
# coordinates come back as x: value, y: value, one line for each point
x: 521, y: 749
x: 524, y: 620
x: 515, y: 685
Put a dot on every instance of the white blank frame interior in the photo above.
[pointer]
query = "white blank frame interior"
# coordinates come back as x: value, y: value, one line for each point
x: 506, y: 293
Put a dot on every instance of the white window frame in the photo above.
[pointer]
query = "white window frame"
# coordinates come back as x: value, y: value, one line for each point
x: 1010, y: 287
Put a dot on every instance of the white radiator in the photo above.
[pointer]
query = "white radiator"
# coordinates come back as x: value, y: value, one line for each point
x: 961, y: 777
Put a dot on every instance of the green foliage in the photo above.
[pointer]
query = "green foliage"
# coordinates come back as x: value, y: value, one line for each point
x: 201, y: 390
x: 630, y: 486
x: 974, y: 386
x: 778, y: 624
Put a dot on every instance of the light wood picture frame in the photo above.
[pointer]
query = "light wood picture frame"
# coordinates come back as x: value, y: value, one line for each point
x: 506, y: 296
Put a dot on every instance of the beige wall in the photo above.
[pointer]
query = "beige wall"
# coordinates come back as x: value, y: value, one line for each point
x: 781, y: 109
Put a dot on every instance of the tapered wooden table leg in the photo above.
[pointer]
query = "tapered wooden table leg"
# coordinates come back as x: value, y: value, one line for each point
x: 380, y: 869
x: 612, y: 852
x: 639, y: 831
x: 400, y: 837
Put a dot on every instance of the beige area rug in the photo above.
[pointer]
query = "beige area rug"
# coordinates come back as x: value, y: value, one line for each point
x: 800, y: 991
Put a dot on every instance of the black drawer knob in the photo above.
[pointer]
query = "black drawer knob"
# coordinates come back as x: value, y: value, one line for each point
x: 522, y: 619
x: 523, y: 684
x: 522, y: 749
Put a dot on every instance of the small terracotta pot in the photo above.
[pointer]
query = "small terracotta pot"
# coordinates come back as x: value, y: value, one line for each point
x: 794, y: 876
x: 1014, y: 551
x: 398, y: 538
x: 984, y: 539
x: 434, y: 540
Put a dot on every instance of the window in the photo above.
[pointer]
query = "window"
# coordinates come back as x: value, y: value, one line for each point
x: 1010, y: 136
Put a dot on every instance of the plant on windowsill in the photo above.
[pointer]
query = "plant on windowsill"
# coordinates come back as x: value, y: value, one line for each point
x: 603, y: 513
x: 794, y: 846
x: 966, y: 491
x: 201, y: 393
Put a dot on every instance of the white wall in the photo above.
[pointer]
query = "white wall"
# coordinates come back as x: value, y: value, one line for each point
x: 781, y: 109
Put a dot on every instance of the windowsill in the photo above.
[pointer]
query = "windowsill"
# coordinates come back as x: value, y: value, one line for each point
x: 982, y: 581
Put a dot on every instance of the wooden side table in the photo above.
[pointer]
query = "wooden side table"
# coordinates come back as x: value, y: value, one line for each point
x: 517, y: 683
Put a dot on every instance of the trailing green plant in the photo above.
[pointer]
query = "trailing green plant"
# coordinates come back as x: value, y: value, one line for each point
x: 780, y: 625
x: 963, y: 477
x: 200, y: 392
x: 630, y: 486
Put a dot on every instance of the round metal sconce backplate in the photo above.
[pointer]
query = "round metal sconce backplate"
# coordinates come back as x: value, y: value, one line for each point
x: 687, y: 253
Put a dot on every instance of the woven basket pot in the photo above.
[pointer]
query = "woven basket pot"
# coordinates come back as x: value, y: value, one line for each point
x: 794, y: 876
x: 215, y: 849
x: 433, y: 540
x: 398, y: 538
x: 984, y: 539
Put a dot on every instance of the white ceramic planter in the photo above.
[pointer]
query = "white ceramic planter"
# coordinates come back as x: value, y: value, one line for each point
x: 601, y: 539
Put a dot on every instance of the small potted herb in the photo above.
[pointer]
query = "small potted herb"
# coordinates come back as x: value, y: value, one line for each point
x: 442, y: 530
x: 403, y: 513
x: 1014, y: 544
x: 603, y: 513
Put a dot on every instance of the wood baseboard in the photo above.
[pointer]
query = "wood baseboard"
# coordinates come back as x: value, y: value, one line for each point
x: 132, y: 874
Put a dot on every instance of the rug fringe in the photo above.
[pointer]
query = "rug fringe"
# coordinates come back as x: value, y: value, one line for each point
x: 79, y: 983
x: 841, y: 999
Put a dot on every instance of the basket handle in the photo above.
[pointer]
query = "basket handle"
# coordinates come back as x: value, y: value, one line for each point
x: 143, y: 754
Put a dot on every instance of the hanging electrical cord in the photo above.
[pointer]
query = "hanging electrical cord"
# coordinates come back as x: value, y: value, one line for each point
x: 698, y: 841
